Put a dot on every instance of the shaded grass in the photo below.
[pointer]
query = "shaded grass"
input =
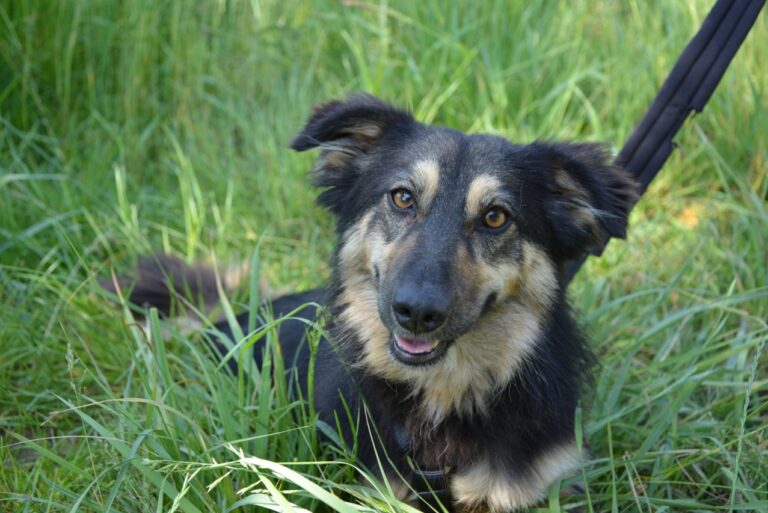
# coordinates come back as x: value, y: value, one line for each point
x: 132, y: 127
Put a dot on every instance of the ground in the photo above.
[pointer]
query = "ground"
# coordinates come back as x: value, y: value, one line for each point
x: 133, y: 127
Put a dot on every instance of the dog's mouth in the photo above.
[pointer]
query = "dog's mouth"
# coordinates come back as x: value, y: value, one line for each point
x: 417, y: 351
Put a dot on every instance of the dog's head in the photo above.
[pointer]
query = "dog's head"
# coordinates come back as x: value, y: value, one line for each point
x: 451, y: 244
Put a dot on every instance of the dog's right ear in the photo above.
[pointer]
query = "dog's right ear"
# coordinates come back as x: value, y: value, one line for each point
x: 345, y: 131
x: 349, y: 126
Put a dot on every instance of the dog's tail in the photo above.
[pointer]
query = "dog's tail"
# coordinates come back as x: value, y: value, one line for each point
x: 174, y: 287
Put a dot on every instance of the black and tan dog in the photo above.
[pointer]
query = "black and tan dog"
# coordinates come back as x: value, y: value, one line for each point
x: 450, y: 328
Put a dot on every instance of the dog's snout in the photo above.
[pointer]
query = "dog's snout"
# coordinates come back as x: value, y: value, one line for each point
x: 419, y: 310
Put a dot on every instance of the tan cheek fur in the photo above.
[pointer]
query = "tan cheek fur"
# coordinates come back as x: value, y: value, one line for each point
x: 485, y: 488
x: 361, y: 315
x: 362, y: 248
x: 535, y: 281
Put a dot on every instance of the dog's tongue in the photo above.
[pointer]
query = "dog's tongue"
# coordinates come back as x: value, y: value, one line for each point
x: 414, y: 345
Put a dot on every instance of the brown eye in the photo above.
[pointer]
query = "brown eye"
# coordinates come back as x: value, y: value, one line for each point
x: 402, y: 198
x: 495, y: 218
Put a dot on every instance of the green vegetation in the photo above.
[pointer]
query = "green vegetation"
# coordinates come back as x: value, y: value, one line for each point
x: 132, y: 127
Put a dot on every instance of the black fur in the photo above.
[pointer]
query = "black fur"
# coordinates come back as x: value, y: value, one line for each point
x: 563, y: 197
x: 161, y: 280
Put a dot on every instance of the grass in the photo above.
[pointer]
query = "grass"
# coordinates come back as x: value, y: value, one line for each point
x: 131, y: 127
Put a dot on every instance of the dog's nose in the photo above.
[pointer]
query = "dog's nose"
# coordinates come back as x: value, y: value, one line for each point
x: 419, y: 310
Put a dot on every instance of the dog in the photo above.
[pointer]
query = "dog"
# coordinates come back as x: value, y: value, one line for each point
x: 452, y: 348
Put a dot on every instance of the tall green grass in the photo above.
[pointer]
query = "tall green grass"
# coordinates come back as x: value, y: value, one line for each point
x: 131, y: 127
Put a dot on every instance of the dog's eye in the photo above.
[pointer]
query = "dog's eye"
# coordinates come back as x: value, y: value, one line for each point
x: 402, y: 198
x: 495, y: 218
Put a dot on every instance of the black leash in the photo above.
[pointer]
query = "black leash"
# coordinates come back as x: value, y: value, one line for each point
x: 687, y: 88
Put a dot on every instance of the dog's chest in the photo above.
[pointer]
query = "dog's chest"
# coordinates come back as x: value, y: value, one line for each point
x: 445, y: 446
x: 451, y: 444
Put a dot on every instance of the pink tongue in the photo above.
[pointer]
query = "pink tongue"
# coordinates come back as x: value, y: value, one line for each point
x: 414, y: 345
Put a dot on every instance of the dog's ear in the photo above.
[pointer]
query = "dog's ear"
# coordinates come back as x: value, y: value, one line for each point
x: 349, y: 127
x: 346, y: 131
x: 589, y: 198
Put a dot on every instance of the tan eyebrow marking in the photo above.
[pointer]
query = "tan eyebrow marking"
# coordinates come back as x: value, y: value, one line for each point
x: 426, y: 176
x: 480, y: 191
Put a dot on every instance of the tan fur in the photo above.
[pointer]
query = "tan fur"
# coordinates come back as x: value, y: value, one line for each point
x: 533, y: 282
x: 512, y: 286
x: 478, y: 363
x: 364, y: 130
x: 355, y: 254
x: 485, y: 488
x: 537, y: 279
x: 359, y: 293
x: 387, y: 253
x: 580, y: 203
x: 479, y: 195
x: 361, y: 315
x: 336, y: 155
x: 400, y: 489
x: 464, y: 266
x: 340, y: 152
x: 426, y: 176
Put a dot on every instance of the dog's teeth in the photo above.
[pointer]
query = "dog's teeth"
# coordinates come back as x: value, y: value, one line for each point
x: 435, y: 343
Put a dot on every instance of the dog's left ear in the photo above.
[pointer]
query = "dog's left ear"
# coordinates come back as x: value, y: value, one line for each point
x: 589, y: 197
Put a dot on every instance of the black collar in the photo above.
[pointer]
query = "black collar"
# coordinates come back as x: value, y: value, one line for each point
x: 427, y: 484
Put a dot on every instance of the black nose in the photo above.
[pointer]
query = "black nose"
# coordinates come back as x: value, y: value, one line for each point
x: 419, y: 310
